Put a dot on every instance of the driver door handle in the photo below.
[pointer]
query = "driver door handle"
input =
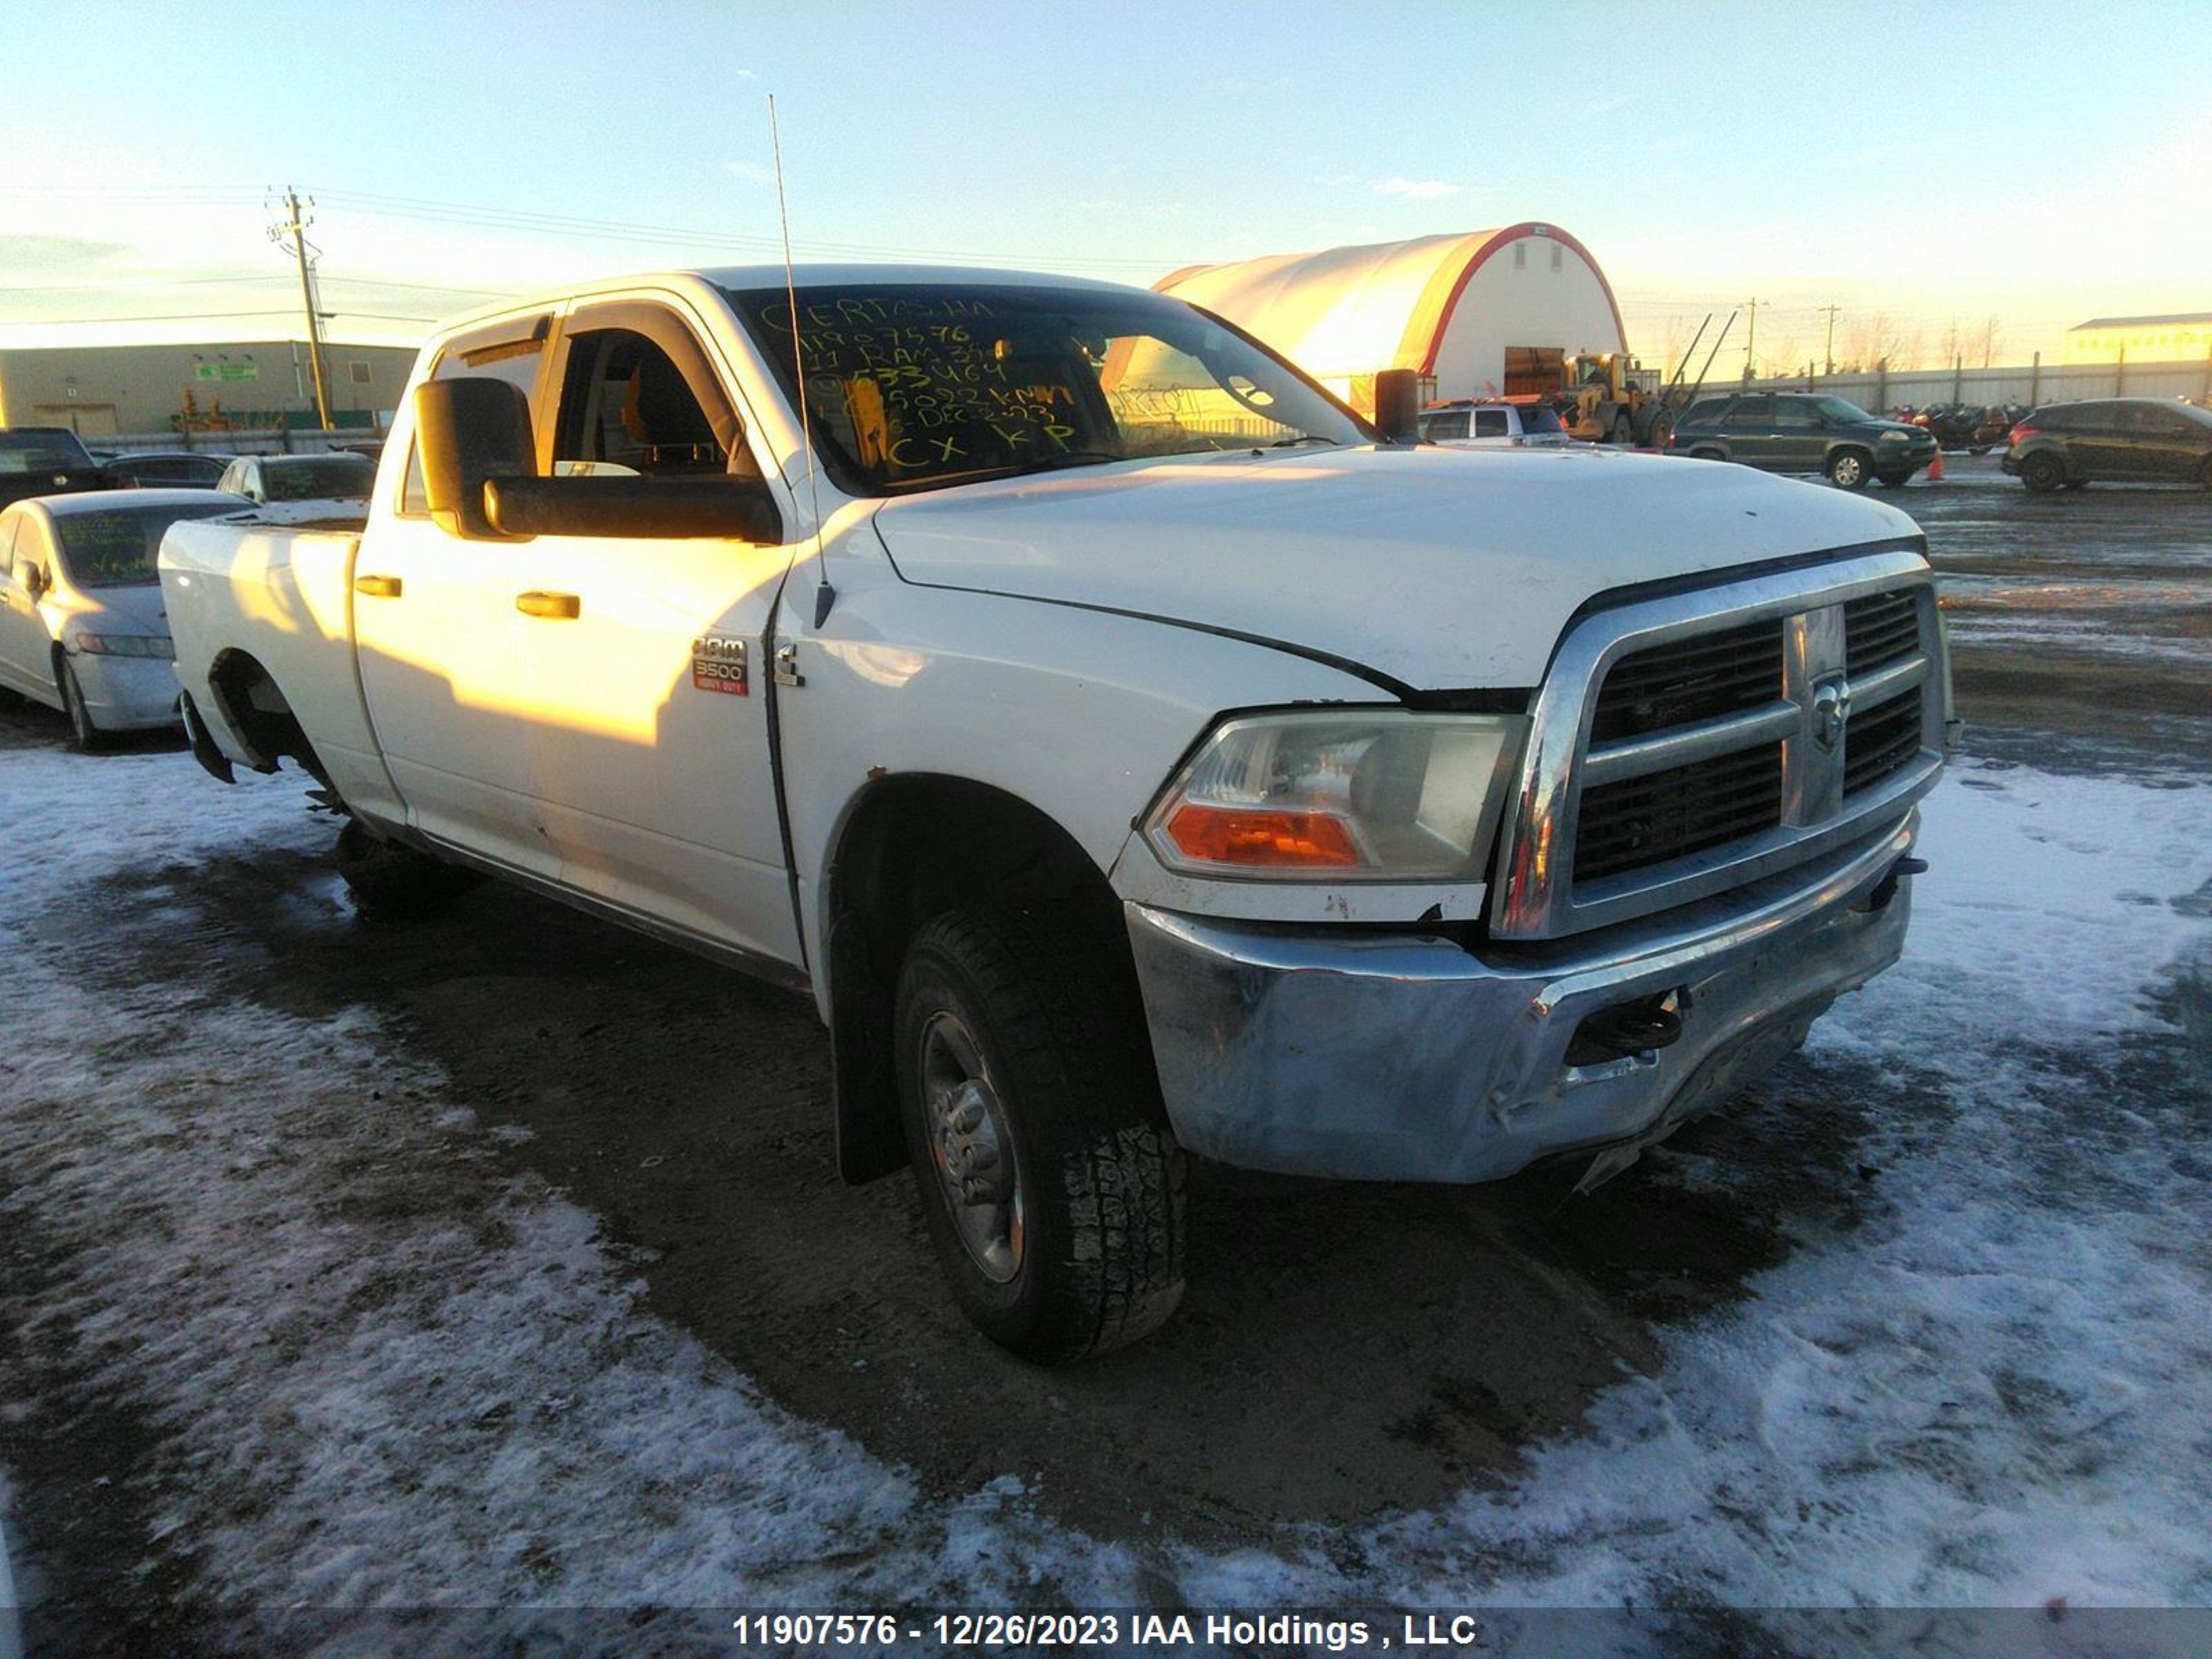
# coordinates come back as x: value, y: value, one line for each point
x: 377, y: 587
x: 558, y: 607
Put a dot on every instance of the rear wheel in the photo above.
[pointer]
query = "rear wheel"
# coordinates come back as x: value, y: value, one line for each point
x: 83, y: 734
x: 1848, y: 469
x: 1623, y: 433
x: 1052, y: 1189
x: 387, y: 879
x: 2204, y: 474
x: 2043, y: 472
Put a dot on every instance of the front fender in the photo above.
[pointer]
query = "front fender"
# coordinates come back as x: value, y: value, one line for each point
x: 1079, y: 713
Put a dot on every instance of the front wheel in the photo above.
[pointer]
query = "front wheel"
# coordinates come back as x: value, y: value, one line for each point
x: 1623, y: 434
x: 1052, y: 1188
x: 1848, y: 470
x: 83, y: 735
x: 1892, y: 480
x: 2043, y: 472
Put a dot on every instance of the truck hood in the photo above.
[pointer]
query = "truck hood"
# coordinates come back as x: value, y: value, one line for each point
x: 1442, y: 569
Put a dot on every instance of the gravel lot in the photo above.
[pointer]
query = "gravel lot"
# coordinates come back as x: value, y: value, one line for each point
x: 499, y: 1262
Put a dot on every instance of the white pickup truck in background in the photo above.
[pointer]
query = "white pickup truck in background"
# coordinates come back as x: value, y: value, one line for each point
x: 1129, y: 749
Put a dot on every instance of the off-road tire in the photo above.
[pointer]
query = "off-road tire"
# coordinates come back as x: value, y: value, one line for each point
x: 84, y: 736
x: 1060, y: 1029
x: 2043, y: 472
x: 388, y: 880
x: 1623, y: 433
x: 1849, y: 469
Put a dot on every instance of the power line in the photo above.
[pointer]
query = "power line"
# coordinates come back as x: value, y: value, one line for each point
x: 203, y: 316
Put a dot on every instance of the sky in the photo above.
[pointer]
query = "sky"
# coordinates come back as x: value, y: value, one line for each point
x: 1997, y: 171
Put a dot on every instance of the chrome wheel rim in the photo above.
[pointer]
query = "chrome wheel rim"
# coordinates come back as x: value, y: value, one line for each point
x: 1847, y: 470
x: 970, y: 1148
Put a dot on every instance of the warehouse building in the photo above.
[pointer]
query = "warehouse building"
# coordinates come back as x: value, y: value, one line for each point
x: 1487, y: 312
x: 2183, y: 337
x: 106, y: 392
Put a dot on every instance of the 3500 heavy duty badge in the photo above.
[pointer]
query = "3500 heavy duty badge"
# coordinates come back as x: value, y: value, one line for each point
x: 718, y: 665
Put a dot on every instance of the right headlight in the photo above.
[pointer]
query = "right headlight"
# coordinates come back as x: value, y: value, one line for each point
x: 1341, y: 795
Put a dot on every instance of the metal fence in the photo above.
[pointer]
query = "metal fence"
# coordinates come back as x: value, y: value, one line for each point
x: 254, y: 441
x: 2037, y: 382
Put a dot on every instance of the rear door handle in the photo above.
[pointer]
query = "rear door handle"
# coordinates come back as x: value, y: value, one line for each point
x: 559, y: 607
x: 377, y: 587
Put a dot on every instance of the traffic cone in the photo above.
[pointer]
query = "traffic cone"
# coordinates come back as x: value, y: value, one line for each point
x: 1936, y: 468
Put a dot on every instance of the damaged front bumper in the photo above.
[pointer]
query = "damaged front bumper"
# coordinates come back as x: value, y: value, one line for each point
x: 1390, y: 1057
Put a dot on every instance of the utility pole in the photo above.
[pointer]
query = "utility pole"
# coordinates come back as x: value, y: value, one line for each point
x: 1750, y: 341
x: 1830, y: 355
x: 296, y: 228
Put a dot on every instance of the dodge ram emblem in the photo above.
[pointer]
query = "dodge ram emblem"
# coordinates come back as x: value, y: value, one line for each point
x: 1831, y: 712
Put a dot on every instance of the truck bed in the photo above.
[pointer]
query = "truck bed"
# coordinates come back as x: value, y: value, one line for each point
x: 282, y: 578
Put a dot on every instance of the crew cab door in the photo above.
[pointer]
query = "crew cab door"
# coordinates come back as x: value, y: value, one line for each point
x: 435, y: 629
x: 644, y: 659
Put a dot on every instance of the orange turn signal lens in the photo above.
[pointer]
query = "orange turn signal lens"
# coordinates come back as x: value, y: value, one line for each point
x: 1261, y: 838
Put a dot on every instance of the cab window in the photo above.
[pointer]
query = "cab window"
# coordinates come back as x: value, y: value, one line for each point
x: 628, y: 407
x: 517, y: 360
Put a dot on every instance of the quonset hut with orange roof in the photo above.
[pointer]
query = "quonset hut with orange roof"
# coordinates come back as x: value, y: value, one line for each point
x: 1486, y: 312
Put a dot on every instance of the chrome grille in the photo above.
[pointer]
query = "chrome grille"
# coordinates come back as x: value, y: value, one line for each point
x: 1682, y: 810
x: 1684, y: 746
x: 1879, y: 630
x: 1876, y: 745
x: 1691, y: 679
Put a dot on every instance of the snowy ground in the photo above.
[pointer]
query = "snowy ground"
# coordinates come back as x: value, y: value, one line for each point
x: 336, y: 1345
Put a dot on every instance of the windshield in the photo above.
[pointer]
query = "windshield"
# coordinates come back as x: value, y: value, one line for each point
x: 914, y: 385
x: 1836, y: 409
x: 41, y: 449
x: 316, y: 477
x: 1540, y: 417
x: 115, y: 547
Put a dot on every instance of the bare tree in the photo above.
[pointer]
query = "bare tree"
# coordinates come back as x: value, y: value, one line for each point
x: 1873, y: 337
x: 1992, y: 337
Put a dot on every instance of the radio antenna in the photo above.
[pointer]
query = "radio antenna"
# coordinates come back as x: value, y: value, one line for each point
x: 824, y: 595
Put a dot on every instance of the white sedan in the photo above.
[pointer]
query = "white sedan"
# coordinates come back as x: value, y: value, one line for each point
x: 82, y: 624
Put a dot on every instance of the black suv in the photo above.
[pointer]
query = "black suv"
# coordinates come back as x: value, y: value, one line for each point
x: 45, y: 460
x: 2116, y: 439
x: 1804, y: 432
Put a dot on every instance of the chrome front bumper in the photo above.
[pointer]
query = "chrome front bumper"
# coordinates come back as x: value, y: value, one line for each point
x: 1392, y: 1057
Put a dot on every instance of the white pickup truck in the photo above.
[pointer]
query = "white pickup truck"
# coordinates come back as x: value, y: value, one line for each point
x: 1131, y: 750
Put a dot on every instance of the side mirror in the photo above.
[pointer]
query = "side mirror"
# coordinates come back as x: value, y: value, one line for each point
x: 34, y: 581
x: 1397, y: 404
x: 717, y: 506
x: 468, y: 431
